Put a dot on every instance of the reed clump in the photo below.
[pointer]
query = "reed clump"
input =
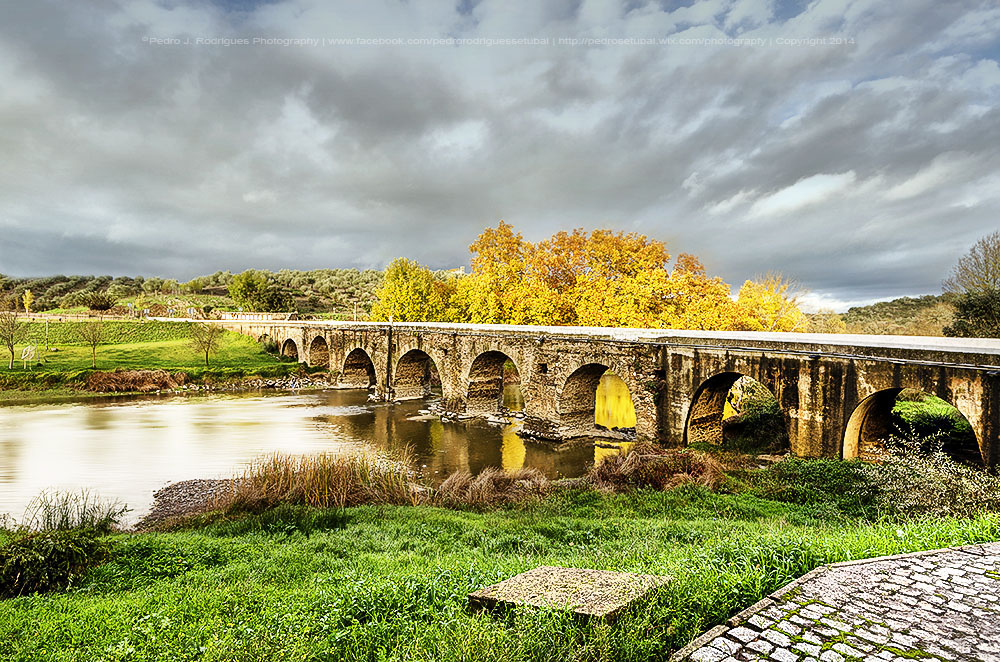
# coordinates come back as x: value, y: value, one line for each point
x: 59, y: 510
x: 322, y: 481
x: 491, y: 488
x: 651, y: 466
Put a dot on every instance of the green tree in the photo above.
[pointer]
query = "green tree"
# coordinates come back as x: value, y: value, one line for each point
x: 977, y: 315
x: 254, y: 291
x: 100, y: 301
x: 206, y: 338
x: 410, y: 293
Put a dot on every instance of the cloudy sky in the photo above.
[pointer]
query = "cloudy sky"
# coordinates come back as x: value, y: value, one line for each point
x: 851, y: 144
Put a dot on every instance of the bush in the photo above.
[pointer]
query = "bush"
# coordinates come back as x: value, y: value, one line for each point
x: 100, y: 301
x: 649, y: 465
x: 34, y: 562
x: 917, y: 414
x: 913, y: 481
x: 758, y: 425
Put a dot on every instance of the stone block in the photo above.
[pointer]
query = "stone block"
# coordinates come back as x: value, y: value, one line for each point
x: 585, y: 593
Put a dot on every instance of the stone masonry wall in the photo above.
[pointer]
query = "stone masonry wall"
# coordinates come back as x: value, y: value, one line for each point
x: 819, y: 385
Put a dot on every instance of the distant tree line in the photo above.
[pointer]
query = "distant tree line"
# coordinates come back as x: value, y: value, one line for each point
x: 315, y: 291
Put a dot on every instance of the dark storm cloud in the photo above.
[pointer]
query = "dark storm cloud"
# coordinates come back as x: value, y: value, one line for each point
x: 863, y: 169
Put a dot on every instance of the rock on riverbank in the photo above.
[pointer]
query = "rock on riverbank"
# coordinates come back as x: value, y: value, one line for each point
x: 184, y: 498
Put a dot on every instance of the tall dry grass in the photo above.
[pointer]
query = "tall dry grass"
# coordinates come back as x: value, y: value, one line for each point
x: 331, y: 481
x: 491, y: 488
x: 649, y: 465
x: 321, y: 481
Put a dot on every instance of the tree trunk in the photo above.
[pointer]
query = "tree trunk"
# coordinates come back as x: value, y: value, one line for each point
x: 206, y: 358
x: 93, y: 358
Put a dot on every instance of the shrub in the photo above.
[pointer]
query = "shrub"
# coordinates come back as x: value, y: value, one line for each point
x: 34, y: 562
x: 759, y: 424
x: 100, y: 301
x: 649, y: 465
x: 918, y: 414
x: 917, y: 478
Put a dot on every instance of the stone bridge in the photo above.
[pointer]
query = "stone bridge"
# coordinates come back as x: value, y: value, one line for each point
x: 835, y: 391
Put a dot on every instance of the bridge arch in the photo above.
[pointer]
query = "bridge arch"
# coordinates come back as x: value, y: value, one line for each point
x: 896, y: 412
x: 578, y: 400
x: 415, y: 374
x: 359, y: 370
x: 319, y: 352
x: 488, y: 375
x: 290, y: 349
x: 733, y: 408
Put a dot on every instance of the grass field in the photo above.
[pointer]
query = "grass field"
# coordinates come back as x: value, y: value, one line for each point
x: 390, y: 583
x: 130, y: 346
x: 235, y: 351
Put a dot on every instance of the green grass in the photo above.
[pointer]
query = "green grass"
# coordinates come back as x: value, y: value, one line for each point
x: 235, y: 351
x: 129, y: 345
x: 115, y: 332
x: 390, y: 583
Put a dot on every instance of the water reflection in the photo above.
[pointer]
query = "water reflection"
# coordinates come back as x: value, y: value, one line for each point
x: 613, y: 407
x: 128, y: 448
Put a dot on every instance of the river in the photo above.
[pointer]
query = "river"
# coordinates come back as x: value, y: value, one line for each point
x: 125, y: 448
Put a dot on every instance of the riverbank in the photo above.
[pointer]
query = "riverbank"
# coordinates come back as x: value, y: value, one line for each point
x: 182, y: 499
x: 390, y: 582
x: 140, y: 356
x: 129, y: 383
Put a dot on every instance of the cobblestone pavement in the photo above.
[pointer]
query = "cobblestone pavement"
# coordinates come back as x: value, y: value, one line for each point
x: 937, y: 605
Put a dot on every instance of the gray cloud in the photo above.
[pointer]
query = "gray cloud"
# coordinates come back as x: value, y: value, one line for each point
x: 863, y: 169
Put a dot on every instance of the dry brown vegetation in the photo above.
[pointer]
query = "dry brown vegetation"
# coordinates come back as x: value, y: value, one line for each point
x: 649, y: 465
x: 492, y: 488
x: 321, y: 481
x: 331, y: 481
x: 128, y: 381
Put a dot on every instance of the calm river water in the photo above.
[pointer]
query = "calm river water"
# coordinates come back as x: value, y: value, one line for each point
x: 126, y: 448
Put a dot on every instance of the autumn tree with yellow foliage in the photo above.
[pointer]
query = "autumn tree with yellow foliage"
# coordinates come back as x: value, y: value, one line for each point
x: 601, y: 278
x: 771, y: 303
x: 410, y: 293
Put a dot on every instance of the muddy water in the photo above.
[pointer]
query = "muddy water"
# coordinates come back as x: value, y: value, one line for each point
x: 126, y: 448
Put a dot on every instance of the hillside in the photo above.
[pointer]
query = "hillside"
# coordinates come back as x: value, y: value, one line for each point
x: 908, y: 316
x: 320, y: 291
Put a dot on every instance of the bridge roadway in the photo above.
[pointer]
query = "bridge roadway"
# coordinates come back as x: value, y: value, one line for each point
x: 835, y: 391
